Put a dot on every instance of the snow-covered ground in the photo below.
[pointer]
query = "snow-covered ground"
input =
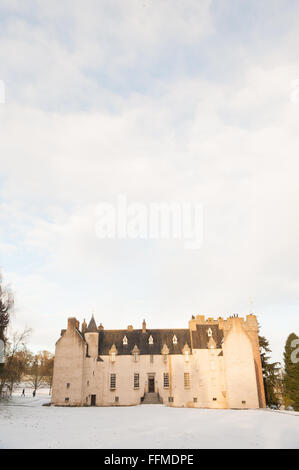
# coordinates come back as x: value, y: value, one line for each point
x: 25, y: 423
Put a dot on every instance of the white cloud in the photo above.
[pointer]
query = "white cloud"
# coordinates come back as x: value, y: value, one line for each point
x: 232, y: 146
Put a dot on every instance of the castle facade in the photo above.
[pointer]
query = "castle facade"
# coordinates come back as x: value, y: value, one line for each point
x: 211, y: 364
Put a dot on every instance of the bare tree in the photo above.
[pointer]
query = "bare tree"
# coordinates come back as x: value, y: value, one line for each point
x: 6, y: 306
x: 48, y: 366
x: 17, y: 359
x: 40, y: 371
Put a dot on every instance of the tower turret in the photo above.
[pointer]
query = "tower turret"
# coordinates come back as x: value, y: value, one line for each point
x: 92, y: 338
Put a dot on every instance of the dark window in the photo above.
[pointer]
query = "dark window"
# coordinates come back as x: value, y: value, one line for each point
x: 166, y: 380
x: 170, y: 399
x: 187, y: 380
x: 195, y: 399
x: 66, y: 399
x: 68, y: 385
x: 112, y: 381
x: 214, y: 399
x: 116, y: 399
x: 136, y: 381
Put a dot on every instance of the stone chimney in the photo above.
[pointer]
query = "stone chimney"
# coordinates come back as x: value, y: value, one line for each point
x: 143, y: 327
x: 130, y: 328
x: 100, y: 327
x: 84, y: 326
x: 71, y: 323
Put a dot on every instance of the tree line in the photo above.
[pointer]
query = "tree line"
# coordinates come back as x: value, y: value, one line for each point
x: 18, y: 363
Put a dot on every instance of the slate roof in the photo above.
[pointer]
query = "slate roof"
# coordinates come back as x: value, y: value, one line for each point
x: 92, y: 327
x: 160, y: 337
x: 200, y: 336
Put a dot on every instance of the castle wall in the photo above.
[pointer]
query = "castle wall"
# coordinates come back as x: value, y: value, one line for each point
x: 240, y: 373
x: 69, y: 367
x: 209, y: 380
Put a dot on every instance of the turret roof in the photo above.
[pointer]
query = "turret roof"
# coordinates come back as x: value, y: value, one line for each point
x: 92, y: 327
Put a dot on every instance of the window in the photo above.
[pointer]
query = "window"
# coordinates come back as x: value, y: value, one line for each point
x: 151, y: 358
x: 175, y: 340
x: 116, y: 399
x: 87, y: 383
x: 125, y: 340
x: 187, y: 380
x: 112, y: 381
x: 150, y: 340
x: 214, y: 399
x: 113, y: 353
x: 243, y: 402
x: 68, y: 385
x: 186, y: 352
x: 166, y: 380
x: 136, y: 381
x: 135, y: 353
x: 66, y: 399
x: 210, y: 333
x: 194, y: 399
x: 165, y: 352
x: 170, y: 399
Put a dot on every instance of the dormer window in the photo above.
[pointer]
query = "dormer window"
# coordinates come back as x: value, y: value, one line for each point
x: 113, y: 353
x: 210, y: 332
x: 175, y: 340
x: 211, y: 343
x: 150, y: 340
x: 135, y: 353
x: 186, y: 352
x: 165, y: 352
x: 125, y: 341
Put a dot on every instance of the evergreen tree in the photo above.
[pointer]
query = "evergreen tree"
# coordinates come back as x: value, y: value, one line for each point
x: 291, y: 372
x: 271, y: 373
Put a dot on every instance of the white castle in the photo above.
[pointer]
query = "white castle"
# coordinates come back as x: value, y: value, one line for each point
x: 211, y: 364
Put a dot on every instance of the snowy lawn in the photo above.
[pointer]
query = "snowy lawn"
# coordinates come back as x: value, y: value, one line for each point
x: 25, y: 423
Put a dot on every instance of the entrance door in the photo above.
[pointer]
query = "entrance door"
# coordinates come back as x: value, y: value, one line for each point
x: 93, y: 400
x: 151, y: 384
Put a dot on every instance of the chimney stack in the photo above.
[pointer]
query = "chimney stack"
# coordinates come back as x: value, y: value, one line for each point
x: 84, y: 326
x: 143, y: 327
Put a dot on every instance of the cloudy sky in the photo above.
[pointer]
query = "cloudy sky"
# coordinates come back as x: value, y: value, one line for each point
x: 161, y: 101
